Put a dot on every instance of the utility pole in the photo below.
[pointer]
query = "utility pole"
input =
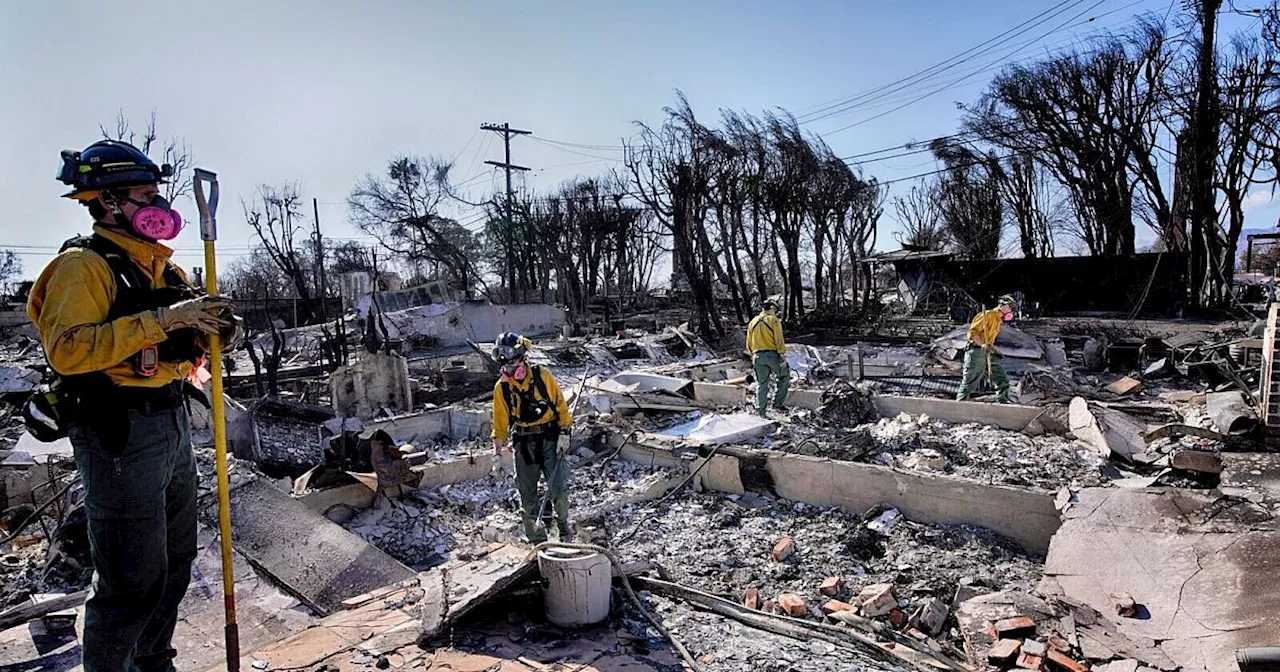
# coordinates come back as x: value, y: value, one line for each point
x: 506, y: 131
x: 320, y: 279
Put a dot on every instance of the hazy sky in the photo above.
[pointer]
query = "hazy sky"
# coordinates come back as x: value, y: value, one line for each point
x: 322, y: 92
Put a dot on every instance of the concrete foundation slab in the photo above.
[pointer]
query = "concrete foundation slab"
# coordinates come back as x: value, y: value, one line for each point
x: 314, y: 558
x: 1201, y: 567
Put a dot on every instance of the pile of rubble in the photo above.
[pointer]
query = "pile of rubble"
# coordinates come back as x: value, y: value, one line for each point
x: 427, y: 526
x: 985, y: 454
x: 791, y: 557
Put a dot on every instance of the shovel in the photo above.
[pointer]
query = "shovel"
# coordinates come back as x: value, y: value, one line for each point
x: 209, y: 234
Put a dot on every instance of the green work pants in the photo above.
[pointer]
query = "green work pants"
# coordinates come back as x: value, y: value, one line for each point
x: 140, y: 497
x: 535, y: 456
x: 771, y: 364
x: 976, y: 367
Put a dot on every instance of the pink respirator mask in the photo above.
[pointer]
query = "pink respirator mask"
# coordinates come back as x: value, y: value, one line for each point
x: 514, y: 371
x: 156, y: 220
x: 1007, y: 317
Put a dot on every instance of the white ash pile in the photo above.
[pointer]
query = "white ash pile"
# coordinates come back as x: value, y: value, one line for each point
x: 724, y: 645
x: 427, y: 526
x: 986, y: 454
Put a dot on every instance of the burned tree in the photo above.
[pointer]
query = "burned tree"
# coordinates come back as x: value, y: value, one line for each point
x: 402, y: 210
x: 173, y: 151
x: 969, y: 199
x: 275, y: 215
x: 920, y: 215
x: 669, y: 172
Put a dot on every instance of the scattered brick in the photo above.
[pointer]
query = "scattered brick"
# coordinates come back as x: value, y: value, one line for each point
x: 1014, y: 628
x: 1125, y: 606
x: 831, y: 586
x: 783, y: 549
x: 752, y: 598
x: 771, y: 607
x: 836, y: 605
x: 1027, y: 661
x: 1004, y: 652
x: 877, y: 600
x: 1033, y: 647
x: 931, y: 616
x: 792, y: 604
x: 898, y: 618
x: 1062, y: 662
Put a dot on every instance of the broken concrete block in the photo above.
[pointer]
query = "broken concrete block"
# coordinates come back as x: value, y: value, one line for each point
x: 783, y: 549
x: 834, y: 606
x: 931, y: 615
x: 877, y: 600
x: 1197, y: 460
x: 1027, y: 661
x: 752, y: 598
x: 1124, y: 604
x: 831, y: 585
x: 1014, y: 628
x: 898, y: 618
x: 1059, y: 644
x: 1004, y: 652
x: 792, y: 604
x: 1033, y: 647
x: 1106, y: 431
x: 1124, y: 386
x: 1062, y: 662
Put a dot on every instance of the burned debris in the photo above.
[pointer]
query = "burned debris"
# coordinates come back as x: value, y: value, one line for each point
x: 875, y: 523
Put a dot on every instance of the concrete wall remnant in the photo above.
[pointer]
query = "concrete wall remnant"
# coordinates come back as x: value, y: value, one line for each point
x: 452, y: 324
x: 1028, y: 518
x: 1005, y: 416
x: 377, y: 381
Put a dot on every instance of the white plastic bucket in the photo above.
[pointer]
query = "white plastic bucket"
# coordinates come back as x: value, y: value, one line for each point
x: 577, y: 592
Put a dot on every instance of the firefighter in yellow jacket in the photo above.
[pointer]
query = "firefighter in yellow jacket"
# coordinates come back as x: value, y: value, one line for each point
x: 981, y: 357
x: 768, y: 356
x: 529, y: 407
x: 123, y: 328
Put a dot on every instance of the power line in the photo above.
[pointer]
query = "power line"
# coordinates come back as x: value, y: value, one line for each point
x: 842, y: 105
x: 948, y: 84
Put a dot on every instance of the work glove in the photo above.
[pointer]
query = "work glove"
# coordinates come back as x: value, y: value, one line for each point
x: 200, y: 313
x: 232, y: 337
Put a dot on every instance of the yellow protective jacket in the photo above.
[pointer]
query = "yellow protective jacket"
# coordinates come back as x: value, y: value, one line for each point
x: 764, y: 334
x: 986, y: 327
x: 69, y: 304
x: 504, y: 416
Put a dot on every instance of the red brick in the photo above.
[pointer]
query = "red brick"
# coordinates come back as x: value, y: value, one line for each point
x: 831, y: 586
x: 1004, y: 651
x: 1059, y: 660
x: 792, y: 604
x: 877, y: 600
x: 1014, y: 628
x: 752, y: 598
x: 783, y: 549
x: 1027, y: 661
x: 898, y: 618
x: 836, y: 605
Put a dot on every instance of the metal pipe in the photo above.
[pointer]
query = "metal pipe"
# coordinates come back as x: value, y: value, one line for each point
x: 1258, y: 659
